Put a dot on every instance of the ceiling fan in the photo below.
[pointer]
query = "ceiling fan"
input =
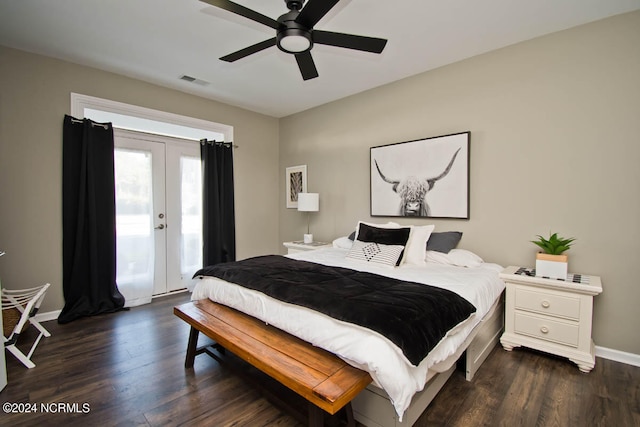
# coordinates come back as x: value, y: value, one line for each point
x: 295, y: 33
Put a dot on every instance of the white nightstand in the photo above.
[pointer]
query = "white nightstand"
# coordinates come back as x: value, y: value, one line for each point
x: 550, y: 315
x: 300, y: 246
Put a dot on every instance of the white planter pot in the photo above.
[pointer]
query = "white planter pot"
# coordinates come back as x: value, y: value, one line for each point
x: 552, y: 266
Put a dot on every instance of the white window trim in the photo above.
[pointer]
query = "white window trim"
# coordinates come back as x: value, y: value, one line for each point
x: 79, y: 102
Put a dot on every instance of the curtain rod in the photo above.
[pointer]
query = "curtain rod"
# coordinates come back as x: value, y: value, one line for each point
x: 206, y: 141
x: 103, y: 125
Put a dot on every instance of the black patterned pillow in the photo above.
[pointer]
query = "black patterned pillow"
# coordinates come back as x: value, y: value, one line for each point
x: 379, y: 244
x: 376, y: 253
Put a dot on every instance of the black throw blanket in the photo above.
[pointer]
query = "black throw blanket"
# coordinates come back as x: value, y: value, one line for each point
x: 413, y: 316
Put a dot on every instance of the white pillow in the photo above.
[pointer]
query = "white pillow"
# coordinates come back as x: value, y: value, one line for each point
x: 438, y: 257
x: 414, y: 252
x: 376, y: 253
x: 343, y: 243
x: 457, y: 257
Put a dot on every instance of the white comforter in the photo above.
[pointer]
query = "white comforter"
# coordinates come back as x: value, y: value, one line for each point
x: 359, y: 346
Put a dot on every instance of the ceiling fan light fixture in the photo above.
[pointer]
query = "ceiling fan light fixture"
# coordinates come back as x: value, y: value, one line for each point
x: 294, y: 40
x: 295, y: 33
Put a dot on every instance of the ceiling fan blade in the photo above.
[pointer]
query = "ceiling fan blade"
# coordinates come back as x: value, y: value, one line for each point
x: 314, y: 11
x: 349, y: 41
x: 306, y: 65
x: 243, y: 11
x: 249, y: 50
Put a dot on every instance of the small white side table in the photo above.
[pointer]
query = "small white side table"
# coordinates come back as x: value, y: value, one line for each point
x: 3, y: 362
x: 300, y: 246
x: 550, y: 315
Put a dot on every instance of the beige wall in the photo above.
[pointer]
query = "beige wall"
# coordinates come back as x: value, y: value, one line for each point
x: 554, y: 146
x: 35, y: 96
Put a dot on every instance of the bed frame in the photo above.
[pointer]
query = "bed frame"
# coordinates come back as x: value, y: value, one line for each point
x: 333, y: 384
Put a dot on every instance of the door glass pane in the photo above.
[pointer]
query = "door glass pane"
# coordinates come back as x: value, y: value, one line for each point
x: 134, y: 224
x: 191, y: 201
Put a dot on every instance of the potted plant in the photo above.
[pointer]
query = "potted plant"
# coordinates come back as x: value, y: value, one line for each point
x: 552, y: 262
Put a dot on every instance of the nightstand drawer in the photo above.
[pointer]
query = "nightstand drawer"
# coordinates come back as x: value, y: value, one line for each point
x: 547, y: 329
x: 547, y: 303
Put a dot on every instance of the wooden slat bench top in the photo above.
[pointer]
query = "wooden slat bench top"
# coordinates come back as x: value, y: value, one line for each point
x: 315, y: 374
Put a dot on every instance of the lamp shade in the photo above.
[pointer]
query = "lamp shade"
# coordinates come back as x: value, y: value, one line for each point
x: 308, y: 202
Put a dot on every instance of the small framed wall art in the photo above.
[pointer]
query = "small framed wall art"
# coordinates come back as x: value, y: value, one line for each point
x: 423, y: 178
x: 296, y: 182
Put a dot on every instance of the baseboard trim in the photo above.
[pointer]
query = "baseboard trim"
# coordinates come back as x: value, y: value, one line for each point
x: 49, y: 315
x: 53, y: 315
x: 618, y: 356
x: 179, y: 291
x: 603, y: 352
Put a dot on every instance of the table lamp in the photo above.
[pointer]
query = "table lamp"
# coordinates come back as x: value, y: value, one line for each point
x: 308, y: 202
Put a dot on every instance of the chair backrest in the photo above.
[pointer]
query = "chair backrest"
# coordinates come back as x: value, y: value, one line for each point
x: 27, y: 301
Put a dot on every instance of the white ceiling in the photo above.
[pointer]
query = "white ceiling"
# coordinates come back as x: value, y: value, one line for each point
x: 161, y: 40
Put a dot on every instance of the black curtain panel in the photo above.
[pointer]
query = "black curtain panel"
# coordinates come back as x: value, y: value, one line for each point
x: 88, y: 220
x: 219, y: 230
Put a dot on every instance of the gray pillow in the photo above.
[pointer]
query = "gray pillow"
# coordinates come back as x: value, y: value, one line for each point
x: 444, y: 241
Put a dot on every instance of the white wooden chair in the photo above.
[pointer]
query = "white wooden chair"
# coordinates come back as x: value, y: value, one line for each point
x: 27, y: 302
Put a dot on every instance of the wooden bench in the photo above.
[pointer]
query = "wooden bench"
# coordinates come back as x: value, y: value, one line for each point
x: 322, y: 378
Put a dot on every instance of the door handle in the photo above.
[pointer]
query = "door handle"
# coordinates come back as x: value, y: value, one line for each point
x: 160, y: 227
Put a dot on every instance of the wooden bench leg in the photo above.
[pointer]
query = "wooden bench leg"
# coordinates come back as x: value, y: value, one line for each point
x: 316, y: 416
x: 351, y: 421
x: 191, y: 348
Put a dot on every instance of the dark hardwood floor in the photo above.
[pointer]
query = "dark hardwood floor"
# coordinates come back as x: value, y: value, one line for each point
x: 126, y: 369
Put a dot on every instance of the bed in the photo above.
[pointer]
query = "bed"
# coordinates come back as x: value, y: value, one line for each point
x: 402, y: 386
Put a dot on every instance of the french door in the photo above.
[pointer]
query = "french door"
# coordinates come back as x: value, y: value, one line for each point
x: 158, y: 214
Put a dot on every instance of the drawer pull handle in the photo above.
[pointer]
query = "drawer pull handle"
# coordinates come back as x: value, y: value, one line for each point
x: 544, y: 329
x: 545, y: 304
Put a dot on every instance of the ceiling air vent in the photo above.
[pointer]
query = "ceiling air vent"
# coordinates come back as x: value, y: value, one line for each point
x: 194, y: 80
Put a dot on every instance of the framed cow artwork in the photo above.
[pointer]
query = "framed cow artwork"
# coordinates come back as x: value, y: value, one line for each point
x: 426, y: 178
